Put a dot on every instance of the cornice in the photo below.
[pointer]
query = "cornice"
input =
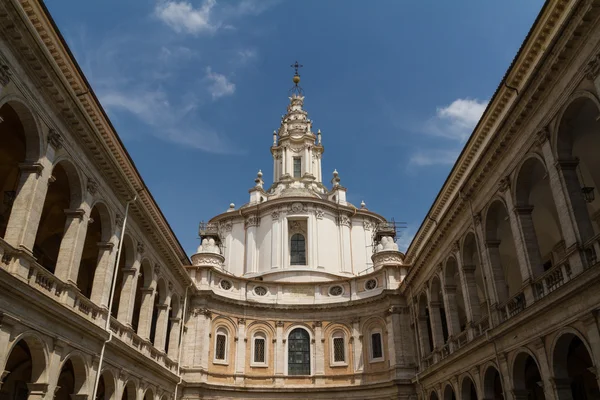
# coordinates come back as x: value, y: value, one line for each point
x: 497, y: 115
x: 272, y: 205
x: 40, y: 44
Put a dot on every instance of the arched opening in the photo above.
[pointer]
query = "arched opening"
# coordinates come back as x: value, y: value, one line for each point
x: 12, y: 153
x: 468, y: 389
x: 449, y: 393
x: 298, y: 249
x: 492, y: 384
x: 579, y: 139
x: 433, y: 396
x: 51, y: 229
x: 149, y: 395
x: 298, y: 352
x: 537, y: 214
x: 527, y: 380
x: 129, y: 393
x: 25, y: 364
x: 437, y: 314
x: 97, y: 235
x: 474, y: 277
x: 144, y: 282
x: 125, y: 262
x: 71, y: 379
x: 500, y: 245
x: 457, y: 315
x: 572, y: 369
x: 106, y: 386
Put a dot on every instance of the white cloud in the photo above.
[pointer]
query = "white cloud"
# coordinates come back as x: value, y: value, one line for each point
x: 425, y: 158
x: 246, y: 55
x: 457, y: 120
x: 182, y: 17
x: 167, y: 122
x: 219, y: 84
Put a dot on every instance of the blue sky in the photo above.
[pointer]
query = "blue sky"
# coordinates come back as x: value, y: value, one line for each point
x: 195, y: 89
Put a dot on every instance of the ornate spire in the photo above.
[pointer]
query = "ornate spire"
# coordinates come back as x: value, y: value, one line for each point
x: 296, y: 90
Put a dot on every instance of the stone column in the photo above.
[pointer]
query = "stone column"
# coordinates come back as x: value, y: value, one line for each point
x: 310, y: 243
x: 505, y: 375
x: 251, y: 250
x: 71, y: 246
x: 240, y: 352
x: 423, y: 333
x: 564, y: 212
x: 285, y: 251
x: 174, y: 338
x: 544, y: 367
x: 146, y: 313
x: 306, y: 161
x: 435, y: 319
x: 104, y: 274
x: 27, y: 206
x: 344, y: 224
x: 279, y: 354
x: 127, y: 300
x: 162, y: 322
x: 470, y: 285
x: 320, y: 349
x: 593, y: 336
x: 499, y: 282
x: 391, y: 337
x: 519, y: 239
x: 530, y: 243
x: 449, y: 292
x: 358, y: 346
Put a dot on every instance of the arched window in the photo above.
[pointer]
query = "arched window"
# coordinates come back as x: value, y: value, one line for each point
x: 299, y: 352
x: 259, y: 350
x: 376, y: 346
x: 221, y: 346
x: 298, y: 250
x: 338, y: 348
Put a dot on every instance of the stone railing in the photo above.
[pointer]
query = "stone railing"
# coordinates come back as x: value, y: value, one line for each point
x: 427, y: 361
x: 127, y: 335
x: 44, y: 280
x: 71, y: 298
x: 551, y: 280
x: 479, y: 327
x: 462, y: 339
x: 512, y: 306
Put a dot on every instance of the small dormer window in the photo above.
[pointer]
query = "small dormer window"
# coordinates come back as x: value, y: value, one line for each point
x: 297, y: 167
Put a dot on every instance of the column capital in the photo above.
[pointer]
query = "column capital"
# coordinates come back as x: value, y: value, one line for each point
x: 75, y: 213
x: 469, y: 267
x: 450, y: 289
x: 163, y: 307
x: 490, y: 244
x: 31, y: 167
x: 435, y: 303
x: 105, y: 245
x: 566, y: 163
x: 523, y: 209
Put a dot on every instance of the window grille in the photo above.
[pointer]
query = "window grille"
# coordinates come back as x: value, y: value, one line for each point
x: 259, y: 350
x: 220, y: 347
x: 339, y: 353
x: 298, y: 250
x: 297, y: 167
x: 336, y: 290
x: 260, y: 291
x: 376, y: 349
x: 371, y: 284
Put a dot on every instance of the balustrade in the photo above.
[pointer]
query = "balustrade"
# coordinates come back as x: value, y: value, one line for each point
x: 551, y: 280
x: 512, y: 306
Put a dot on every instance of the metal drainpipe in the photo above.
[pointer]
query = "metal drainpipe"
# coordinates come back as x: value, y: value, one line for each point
x: 111, y: 298
x: 181, y: 340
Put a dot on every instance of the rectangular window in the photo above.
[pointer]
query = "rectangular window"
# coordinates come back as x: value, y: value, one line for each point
x: 376, y: 348
x: 259, y: 350
x: 220, y: 347
x: 339, y: 353
x: 297, y: 167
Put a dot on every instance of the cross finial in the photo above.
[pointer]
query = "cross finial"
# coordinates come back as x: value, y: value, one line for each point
x: 296, y: 66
